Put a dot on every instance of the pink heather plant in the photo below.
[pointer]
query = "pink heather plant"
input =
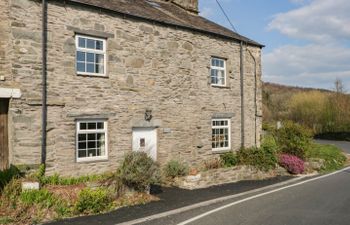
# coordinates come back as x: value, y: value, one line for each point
x: 291, y: 163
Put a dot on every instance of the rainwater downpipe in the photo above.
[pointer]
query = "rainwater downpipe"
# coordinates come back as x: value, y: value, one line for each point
x: 44, y: 82
x: 255, y: 96
x: 242, y: 97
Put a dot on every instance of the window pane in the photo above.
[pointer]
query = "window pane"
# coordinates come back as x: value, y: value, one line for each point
x: 92, y: 126
x: 82, y: 126
x: 81, y: 56
x: 82, y: 42
x: 90, y: 43
x: 99, y: 68
x: 90, y: 68
x: 99, y: 59
x: 92, y: 152
x: 82, y: 145
x: 82, y: 154
x: 99, y: 45
x: 82, y: 137
x: 91, y: 137
x: 91, y: 144
x: 100, y: 125
x: 81, y: 67
x: 90, y: 57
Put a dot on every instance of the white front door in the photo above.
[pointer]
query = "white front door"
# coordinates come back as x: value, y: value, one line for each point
x: 145, y: 139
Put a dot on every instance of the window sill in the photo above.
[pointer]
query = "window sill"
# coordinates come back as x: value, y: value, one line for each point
x: 92, y: 159
x: 91, y: 75
x: 220, y: 86
x: 220, y: 151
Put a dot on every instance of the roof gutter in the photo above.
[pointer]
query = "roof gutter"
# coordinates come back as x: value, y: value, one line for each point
x: 44, y: 82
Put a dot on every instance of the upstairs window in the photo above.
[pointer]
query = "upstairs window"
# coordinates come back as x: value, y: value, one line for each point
x: 91, y: 140
x: 91, y: 55
x: 218, y: 72
x: 221, y: 134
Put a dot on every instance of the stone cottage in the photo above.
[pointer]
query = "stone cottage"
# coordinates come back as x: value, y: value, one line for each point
x: 83, y: 82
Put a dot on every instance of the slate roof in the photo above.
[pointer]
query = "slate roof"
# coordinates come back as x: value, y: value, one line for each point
x: 165, y: 13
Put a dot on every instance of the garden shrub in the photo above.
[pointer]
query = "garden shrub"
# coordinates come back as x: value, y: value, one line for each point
x: 291, y: 163
x: 42, y: 197
x: 263, y: 158
x: 58, y: 180
x: 7, y: 175
x: 93, y: 201
x: 175, y: 168
x: 333, y: 157
x: 212, y: 164
x: 293, y: 139
x: 229, y: 159
x: 12, y: 190
x: 139, y: 171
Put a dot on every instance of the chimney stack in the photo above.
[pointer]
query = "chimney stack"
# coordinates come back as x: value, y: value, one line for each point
x: 189, y: 5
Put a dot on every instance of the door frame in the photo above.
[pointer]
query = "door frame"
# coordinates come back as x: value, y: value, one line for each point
x: 4, y: 136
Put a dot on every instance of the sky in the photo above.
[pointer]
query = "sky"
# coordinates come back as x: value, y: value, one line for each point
x: 307, y: 41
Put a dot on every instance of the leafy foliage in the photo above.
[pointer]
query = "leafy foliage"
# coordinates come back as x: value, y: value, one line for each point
x: 139, y: 171
x: 261, y: 158
x: 7, y: 175
x: 175, y: 168
x: 291, y: 163
x: 333, y: 157
x: 293, y: 139
x: 229, y: 159
x: 93, y: 201
x: 42, y: 197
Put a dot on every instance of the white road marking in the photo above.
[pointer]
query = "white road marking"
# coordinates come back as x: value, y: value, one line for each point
x: 209, y: 202
x: 257, y: 196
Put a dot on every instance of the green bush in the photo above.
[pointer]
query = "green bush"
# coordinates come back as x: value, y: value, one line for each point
x: 261, y: 158
x: 175, y: 168
x: 41, y: 197
x: 12, y: 190
x: 7, y: 175
x: 293, y: 139
x: 57, y: 180
x: 93, y: 201
x: 333, y: 157
x: 229, y: 159
x: 139, y: 171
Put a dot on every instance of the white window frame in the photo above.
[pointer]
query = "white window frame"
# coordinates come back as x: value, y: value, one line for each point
x: 228, y: 126
x: 100, y: 131
x: 95, y: 51
x: 218, y: 68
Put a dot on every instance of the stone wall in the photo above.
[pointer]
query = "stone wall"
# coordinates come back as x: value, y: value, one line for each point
x: 149, y: 67
x: 224, y: 176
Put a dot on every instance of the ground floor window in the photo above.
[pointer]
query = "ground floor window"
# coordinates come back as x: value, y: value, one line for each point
x: 91, y: 140
x: 221, y: 134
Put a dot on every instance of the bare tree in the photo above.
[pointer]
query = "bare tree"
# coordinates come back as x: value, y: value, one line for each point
x: 339, y: 86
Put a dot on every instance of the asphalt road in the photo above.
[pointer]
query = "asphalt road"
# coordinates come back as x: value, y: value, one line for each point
x: 325, y: 201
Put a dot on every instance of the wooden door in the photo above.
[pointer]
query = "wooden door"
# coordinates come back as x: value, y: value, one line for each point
x: 4, y: 150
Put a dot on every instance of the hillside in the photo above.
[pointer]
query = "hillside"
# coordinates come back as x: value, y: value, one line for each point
x: 319, y: 109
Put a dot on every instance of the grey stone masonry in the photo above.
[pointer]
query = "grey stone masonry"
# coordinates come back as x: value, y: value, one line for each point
x: 149, y: 67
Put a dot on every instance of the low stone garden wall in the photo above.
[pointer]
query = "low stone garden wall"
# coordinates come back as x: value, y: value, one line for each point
x: 224, y: 175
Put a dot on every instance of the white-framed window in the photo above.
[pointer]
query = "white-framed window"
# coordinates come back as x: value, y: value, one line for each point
x: 218, y: 71
x: 221, y: 134
x: 90, y: 55
x: 91, y: 140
